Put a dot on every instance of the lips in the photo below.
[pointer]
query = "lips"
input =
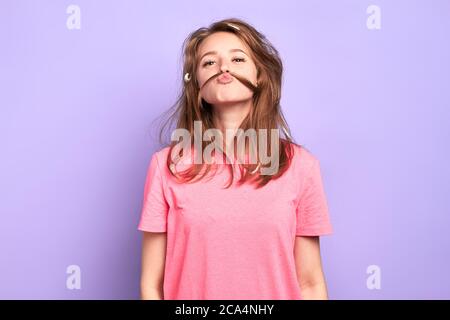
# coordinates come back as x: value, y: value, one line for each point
x: 224, y: 78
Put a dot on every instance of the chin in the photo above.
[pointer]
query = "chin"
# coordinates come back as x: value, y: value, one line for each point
x: 229, y: 99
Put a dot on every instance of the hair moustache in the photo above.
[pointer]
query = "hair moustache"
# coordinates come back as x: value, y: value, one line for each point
x: 242, y: 79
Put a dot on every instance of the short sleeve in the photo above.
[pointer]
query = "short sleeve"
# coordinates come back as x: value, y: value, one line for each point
x: 154, y: 207
x: 312, y: 210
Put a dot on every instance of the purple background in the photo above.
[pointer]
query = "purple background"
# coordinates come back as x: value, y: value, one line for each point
x: 76, y: 112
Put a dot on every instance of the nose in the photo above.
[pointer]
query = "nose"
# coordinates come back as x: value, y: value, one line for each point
x: 224, y: 67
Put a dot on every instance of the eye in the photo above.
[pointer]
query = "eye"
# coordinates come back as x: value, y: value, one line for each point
x: 241, y: 59
x: 207, y: 63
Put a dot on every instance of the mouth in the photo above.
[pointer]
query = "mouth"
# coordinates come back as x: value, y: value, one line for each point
x: 224, y: 78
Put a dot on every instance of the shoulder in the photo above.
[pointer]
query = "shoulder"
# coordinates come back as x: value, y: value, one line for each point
x: 161, y: 159
x: 162, y: 153
x: 303, y: 159
x: 158, y: 160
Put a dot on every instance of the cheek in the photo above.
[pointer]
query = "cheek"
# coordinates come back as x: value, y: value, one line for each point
x: 203, y: 76
x: 249, y: 72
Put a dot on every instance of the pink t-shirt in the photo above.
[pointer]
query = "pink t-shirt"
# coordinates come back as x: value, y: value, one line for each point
x: 235, y: 243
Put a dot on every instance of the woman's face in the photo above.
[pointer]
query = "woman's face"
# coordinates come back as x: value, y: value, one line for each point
x: 223, y: 51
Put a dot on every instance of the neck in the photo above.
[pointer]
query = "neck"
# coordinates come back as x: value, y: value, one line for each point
x: 229, y: 116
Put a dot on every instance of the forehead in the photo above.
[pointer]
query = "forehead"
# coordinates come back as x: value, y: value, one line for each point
x: 221, y: 41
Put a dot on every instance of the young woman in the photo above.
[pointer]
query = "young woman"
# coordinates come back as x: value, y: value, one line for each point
x: 241, y: 233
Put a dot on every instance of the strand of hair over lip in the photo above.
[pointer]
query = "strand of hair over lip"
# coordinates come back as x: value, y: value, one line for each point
x: 243, y: 80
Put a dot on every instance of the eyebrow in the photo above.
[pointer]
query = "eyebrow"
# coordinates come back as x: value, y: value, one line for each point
x: 215, y: 52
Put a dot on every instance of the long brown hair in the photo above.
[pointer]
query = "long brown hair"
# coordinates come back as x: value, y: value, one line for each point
x: 265, y: 114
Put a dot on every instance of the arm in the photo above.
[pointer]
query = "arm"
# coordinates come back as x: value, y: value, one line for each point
x: 153, y: 262
x: 309, y: 268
